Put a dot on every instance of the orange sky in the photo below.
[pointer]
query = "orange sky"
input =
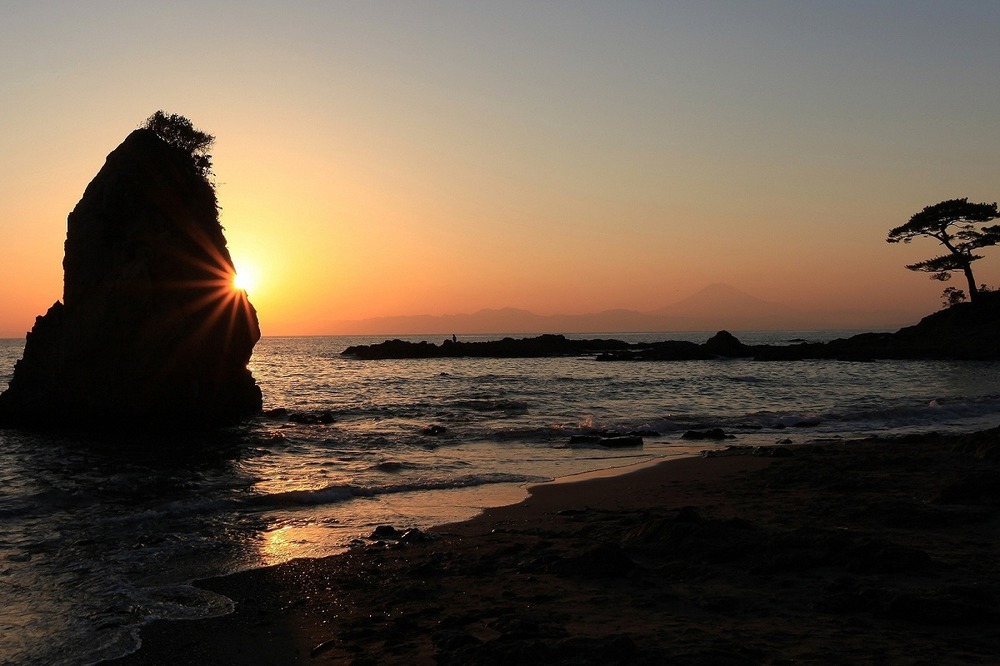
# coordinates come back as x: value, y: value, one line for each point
x: 379, y: 159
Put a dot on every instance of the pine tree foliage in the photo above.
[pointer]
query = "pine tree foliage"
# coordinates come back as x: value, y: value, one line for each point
x: 178, y: 131
x: 958, y: 225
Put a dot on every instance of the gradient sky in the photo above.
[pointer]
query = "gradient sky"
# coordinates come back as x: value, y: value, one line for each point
x: 392, y: 158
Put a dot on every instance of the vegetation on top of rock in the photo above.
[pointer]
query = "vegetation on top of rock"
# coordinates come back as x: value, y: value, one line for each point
x: 952, y: 223
x: 180, y: 132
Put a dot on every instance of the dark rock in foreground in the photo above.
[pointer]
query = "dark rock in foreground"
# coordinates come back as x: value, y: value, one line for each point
x: 966, y: 331
x: 150, y: 330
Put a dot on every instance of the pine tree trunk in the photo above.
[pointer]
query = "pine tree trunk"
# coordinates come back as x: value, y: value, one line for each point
x: 973, y: 291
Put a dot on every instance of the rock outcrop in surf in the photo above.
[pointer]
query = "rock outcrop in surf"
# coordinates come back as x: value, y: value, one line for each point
x: 150, y: 329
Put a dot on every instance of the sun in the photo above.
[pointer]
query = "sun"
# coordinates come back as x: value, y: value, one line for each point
x: 245, y: 278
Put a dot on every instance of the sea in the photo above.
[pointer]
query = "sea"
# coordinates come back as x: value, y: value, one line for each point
x: 103, y: 534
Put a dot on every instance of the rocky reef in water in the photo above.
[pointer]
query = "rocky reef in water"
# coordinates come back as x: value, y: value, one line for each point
x: 150, y: 330
x: 967, y: 331
x: 547, y: 345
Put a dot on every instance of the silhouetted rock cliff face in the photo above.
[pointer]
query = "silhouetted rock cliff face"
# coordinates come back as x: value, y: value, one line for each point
x: 150, y: 329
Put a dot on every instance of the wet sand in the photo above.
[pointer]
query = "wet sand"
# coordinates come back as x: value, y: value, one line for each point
x: 873, y: 551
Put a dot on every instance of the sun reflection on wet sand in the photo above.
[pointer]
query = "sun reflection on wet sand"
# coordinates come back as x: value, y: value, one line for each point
x: 329, y: 529
x: 291, y: 541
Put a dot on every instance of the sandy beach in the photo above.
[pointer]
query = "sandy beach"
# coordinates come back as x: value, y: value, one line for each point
x: 870, y: 551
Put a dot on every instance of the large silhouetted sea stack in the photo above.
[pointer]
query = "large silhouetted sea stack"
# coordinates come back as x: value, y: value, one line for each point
x: 150, y: 330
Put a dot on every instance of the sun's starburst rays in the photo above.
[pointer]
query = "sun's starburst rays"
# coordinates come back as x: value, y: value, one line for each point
x: 214, y: 301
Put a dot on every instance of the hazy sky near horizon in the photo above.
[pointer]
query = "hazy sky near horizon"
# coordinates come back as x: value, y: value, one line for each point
x: 393, y: 158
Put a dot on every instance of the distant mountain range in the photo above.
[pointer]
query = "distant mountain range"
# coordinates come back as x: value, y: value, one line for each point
x: 716, y: 307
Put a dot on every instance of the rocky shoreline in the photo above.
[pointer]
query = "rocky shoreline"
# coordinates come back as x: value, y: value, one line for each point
x: 965, y: 331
